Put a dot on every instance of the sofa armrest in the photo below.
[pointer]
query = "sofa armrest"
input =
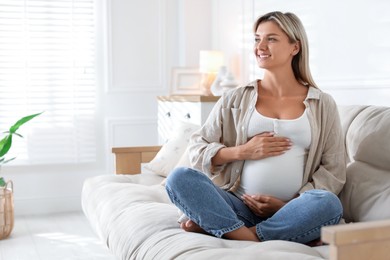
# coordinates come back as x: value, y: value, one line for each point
x: 128, y: 159
x: 363, y: 240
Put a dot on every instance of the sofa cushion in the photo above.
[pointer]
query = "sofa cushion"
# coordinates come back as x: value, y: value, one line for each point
x: 368, y: 137
x: 173, y: 150
x: 367, y: 188
x: 138, y: 221
x: 96, y: 193
x: 347, y: 115
x: 366, y: 193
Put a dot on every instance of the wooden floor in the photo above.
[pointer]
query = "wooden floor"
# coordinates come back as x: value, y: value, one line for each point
x: 53, y: 237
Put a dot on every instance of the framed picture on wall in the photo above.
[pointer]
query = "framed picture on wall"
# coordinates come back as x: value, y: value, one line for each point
x: 185, y: 81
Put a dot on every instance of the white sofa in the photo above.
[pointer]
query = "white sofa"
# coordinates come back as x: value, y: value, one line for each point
x: 134, y: 217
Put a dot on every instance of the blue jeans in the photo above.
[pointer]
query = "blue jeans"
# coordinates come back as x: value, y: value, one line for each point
x: 218, y: 211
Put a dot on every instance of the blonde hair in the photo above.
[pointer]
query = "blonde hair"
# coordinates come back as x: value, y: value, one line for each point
x: 292, y: 26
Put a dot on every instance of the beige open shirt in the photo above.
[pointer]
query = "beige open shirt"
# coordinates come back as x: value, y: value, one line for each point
x: 226, y: 126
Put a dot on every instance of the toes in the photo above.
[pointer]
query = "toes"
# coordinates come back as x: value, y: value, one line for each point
x: 188, y: 226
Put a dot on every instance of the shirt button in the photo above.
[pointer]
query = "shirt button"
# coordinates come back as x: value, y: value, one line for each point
x: 237, y: 170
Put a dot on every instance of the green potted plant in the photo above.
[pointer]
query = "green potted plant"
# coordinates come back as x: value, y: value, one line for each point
x: 6, y: 142
x: 6, y: 188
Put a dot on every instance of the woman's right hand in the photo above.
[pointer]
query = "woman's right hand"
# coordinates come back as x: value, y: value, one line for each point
x: 258, y: 147
x: 264, y: 145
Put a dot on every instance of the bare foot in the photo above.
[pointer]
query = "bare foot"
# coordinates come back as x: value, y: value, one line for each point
x: 316, y: 242
x: 191, y: 226
x: 243, y: 233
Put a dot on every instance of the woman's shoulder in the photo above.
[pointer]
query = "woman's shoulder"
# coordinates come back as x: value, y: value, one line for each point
x: 321, y: 96
x: 322, y: 104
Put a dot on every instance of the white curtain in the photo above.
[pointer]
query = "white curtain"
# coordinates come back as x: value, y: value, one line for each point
x: 47, y: 63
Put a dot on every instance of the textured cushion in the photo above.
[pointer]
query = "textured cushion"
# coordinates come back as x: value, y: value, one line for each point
x: 368, y: 137
x: 96, y: 202
x: 366, y: 193
x: 173, y: 150
x: 347, y: 115
x: 138, y: 221
x: 184, y: 159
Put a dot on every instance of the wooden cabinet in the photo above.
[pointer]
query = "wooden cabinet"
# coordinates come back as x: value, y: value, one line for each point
x: 187, y: 108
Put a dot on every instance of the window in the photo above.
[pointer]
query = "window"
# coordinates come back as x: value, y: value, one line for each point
x: 47, y: 63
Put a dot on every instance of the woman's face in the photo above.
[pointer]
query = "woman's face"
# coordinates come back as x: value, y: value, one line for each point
x: 272, y: 47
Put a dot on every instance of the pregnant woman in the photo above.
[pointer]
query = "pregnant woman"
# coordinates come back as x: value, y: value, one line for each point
x: 269, y: 162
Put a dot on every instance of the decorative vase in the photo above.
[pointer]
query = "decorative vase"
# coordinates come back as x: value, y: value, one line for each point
x: 216, y: 88
x: 223, y: 82
x: 228, y: 82
x: 6, y: 209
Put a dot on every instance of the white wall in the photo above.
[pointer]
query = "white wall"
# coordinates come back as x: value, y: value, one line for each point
x: 349, y: 43
x: 140, y: 41
x: 141, y: 59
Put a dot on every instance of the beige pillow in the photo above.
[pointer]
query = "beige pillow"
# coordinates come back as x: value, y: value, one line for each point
x: 173, y: 150
x: 366, y: 194
x: 184, y: 159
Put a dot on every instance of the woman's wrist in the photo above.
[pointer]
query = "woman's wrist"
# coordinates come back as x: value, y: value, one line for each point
x: 240, y: 153
x: 227, y: 155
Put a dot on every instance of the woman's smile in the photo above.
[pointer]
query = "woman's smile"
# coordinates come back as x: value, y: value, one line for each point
x: 264, y: 56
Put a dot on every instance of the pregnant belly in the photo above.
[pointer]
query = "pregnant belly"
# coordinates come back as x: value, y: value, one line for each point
x: 279, y: 176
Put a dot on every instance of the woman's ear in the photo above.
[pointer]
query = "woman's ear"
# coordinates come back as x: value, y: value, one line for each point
x: 297, y: 47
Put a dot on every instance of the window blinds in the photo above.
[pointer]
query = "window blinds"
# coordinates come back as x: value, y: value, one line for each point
x: 47, y: 63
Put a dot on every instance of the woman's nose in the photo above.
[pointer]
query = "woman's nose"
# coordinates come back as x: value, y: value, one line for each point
x: 260, y: 45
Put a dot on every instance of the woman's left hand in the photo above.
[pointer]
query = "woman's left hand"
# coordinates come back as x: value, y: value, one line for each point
x: 263, y: 205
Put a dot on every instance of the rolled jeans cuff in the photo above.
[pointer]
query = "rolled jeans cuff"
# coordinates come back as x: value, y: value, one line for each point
x: 259, y: 233
x: 220, y: 232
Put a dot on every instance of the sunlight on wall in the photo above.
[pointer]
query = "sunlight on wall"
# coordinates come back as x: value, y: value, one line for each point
x: 348, y: 41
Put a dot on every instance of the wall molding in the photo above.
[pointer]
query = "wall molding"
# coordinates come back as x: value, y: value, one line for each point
x: 147, y: 86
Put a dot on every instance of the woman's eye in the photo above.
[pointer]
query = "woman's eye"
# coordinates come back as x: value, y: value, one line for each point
x: 271, y: 39
x: 257, y: 40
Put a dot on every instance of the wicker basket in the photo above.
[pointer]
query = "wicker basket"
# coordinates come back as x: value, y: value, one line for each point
x: 6, y: 210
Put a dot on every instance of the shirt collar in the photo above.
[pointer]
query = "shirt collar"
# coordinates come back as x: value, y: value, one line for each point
x: 313, y: 93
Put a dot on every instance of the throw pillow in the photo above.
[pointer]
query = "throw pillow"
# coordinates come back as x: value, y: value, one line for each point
x: 184, y: 159
x: 173, y: 150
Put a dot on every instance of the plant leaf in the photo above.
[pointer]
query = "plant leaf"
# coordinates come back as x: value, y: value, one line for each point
x: 21, y: 136
x: 2, y: 182
x: 21, y: 121
x: 3, y: 161
x: 5, y: 145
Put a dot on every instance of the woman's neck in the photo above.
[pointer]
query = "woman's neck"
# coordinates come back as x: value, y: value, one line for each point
x: 281, y: 84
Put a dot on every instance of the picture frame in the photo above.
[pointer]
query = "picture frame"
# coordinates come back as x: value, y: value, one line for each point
x: 185, y: 81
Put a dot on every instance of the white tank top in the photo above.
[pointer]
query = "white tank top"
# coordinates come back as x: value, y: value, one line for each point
x: 278, y: 176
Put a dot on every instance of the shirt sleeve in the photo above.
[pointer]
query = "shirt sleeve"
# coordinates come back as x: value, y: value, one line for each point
x: 206, y: 142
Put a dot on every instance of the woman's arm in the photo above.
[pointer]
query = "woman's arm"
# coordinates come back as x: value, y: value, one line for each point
x: 259, y: 147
